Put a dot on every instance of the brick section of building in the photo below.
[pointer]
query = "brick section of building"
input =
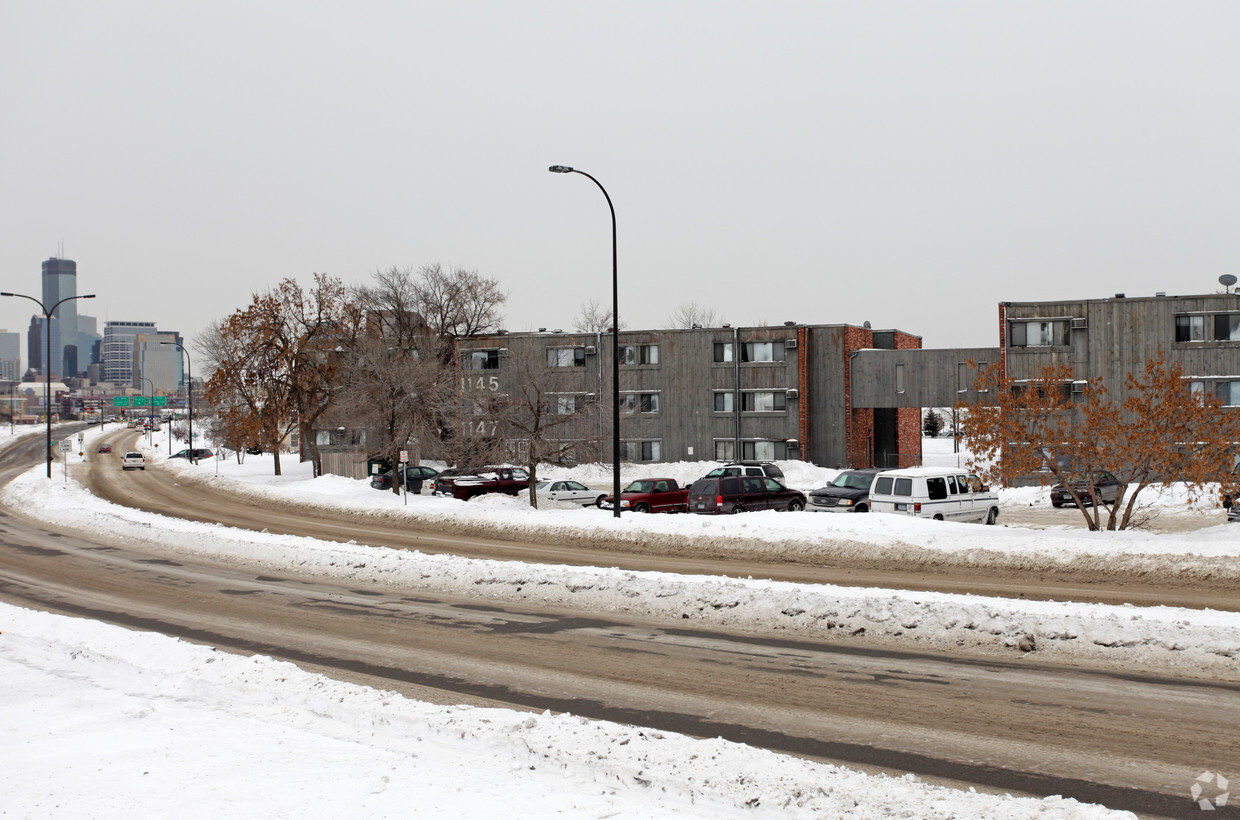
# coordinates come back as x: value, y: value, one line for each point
x: 860, y: 421
x: 908, y: 419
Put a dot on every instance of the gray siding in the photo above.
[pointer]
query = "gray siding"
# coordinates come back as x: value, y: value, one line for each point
x: 932, y: 378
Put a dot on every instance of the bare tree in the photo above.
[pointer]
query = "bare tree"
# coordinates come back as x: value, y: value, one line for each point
x: 541, y: 413
x: 691, y: 314
x: 593, y: 319
x: 456, y: 303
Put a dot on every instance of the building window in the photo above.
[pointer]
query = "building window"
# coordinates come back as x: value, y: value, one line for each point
x: 763, y: 401
x: 641, y: 450
x: 481, y: 360
x: 631, y: 403
x: 639, y: 354
x: 1228, y: 393
x: 1208, y: 327
x: 763, y: 352
x: 723, y: 402
x: 723, y: 351
x: 566, y: 357
x: 566, y: 405
x: 725, y: 450
x: 899, y: 378
x: 763, y: 450
x: 1038, y: 333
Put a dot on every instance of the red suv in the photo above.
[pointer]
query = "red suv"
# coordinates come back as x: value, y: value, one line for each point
x: 735, y: 494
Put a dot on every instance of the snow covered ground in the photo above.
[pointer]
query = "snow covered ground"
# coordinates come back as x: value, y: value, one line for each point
x: 100, y: 718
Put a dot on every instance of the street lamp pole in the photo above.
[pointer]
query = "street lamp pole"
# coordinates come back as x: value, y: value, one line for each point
x: 47, y: 363
x: 615, y: 341
x: 189, y: 397
x: 150, y: 409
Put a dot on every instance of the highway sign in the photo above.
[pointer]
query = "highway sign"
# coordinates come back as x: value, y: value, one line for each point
x: 159, y: 401
x: 120, y: 401
x: 141, y: 401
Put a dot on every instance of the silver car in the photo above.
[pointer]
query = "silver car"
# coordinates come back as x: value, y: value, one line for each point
x: 573, y: 492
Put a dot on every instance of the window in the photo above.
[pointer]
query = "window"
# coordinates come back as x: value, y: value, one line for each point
x: 763, y: 450
x: 1208, y: 327
x: 899, y: 378
x: 566, y: 357
x: 1038, y: 333
x: 723, y: 402
x: 904, y: 486
x: 763, y: 401
x: 639, y: 403
x: 1228, y: 392
x: 763, y: 352
x: 641, y: 450
x: 723, y: 351
x: 565, y: 405
x: 725, y: 450
x: 1190, y: 328
x: 639, y: 354
x: 936, y: 488
x: 480, y: 360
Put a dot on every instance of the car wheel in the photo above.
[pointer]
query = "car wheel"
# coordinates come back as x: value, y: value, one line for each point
x: 143, y: 469
x: 1057, y: 504
x: 739, y: 508
x: 992, y: 516
x: 795, y: 506
x: 861, y: 508
x: 598, y: 502
x: 938, y: 518
x: 641, y: 508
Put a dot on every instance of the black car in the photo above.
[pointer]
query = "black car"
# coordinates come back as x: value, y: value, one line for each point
x: 736, y: 494
x: 1101, y: 485
x: 755, y: 468
x: 414, y: 475
x: 849, y: 492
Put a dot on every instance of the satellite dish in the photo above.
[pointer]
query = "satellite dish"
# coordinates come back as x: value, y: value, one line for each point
x: 1227, y: 280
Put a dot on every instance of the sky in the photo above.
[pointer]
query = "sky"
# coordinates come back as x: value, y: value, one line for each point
x: 910, y: 165
x: 104, y: 722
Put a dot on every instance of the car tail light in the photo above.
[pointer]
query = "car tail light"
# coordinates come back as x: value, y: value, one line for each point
x: 917, y: 506
x: 718, y: 501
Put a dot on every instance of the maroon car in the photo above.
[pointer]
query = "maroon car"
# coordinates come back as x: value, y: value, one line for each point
x: 735, y: 494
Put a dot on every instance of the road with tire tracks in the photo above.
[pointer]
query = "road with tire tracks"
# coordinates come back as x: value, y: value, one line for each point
x: 1123, y: 739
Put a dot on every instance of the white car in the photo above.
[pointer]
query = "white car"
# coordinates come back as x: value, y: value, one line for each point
x: 571, y: 491
x: 133, y: 461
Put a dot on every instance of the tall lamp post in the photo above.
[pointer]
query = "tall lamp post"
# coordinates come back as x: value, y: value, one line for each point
x: 189, y: 397
x: 47, y: 361
x: 150, y: 410
x: 615, y: 341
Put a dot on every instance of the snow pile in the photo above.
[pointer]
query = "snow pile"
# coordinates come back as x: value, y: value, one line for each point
x: 105, y: 723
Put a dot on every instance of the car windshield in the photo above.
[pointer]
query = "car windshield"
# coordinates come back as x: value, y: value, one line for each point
x: 644, y: 486
x: 853, y: 481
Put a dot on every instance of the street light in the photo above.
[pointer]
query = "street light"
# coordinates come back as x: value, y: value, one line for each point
x: 615, y: 341
x: 189, y: 397
x: 150, y: 410
x: 47, y: 363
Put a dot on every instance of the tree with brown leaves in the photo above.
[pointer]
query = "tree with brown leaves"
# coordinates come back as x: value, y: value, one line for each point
x: 1059, y: 431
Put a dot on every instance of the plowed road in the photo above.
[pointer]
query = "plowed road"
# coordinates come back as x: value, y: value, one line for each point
x: 1125, y: 740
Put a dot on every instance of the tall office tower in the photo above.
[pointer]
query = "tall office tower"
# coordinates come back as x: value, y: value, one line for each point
x: 118, y: 340
x: 35, y: 341
x: 159, y: 362
x: 88, y: 339
x: 60, y: 282
x: 10, y: 356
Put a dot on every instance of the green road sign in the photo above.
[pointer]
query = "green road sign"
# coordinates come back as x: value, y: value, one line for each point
x: 141, y: 401
x: 159, y: 401
x: 120, y: 401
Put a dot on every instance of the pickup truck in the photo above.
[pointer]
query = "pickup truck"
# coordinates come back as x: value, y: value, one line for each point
x: 507, y: 480
x: 651, y: 495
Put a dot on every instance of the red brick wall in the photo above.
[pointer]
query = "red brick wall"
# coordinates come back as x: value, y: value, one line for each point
x: 908, y: 419
x: 860, y: 421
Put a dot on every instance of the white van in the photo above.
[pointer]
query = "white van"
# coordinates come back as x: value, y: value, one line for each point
x: 940, y: 493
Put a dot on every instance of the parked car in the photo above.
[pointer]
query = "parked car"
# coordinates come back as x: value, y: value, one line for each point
x: 413, y: 475
x: 940, y: 493
x: 650, y: 495
x: 104, y: 448
x: 199, y: 453
x: 571, y: 491
x: 498, y: 479
x: 737, y: 494
x: 1101, y: 485
x: 133, y: 461
x: 849, y: 492
x: 756, y: 468
x: 442, y: 483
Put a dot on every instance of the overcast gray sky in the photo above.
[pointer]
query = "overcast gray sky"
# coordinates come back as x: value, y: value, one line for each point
x: 909, y: 164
